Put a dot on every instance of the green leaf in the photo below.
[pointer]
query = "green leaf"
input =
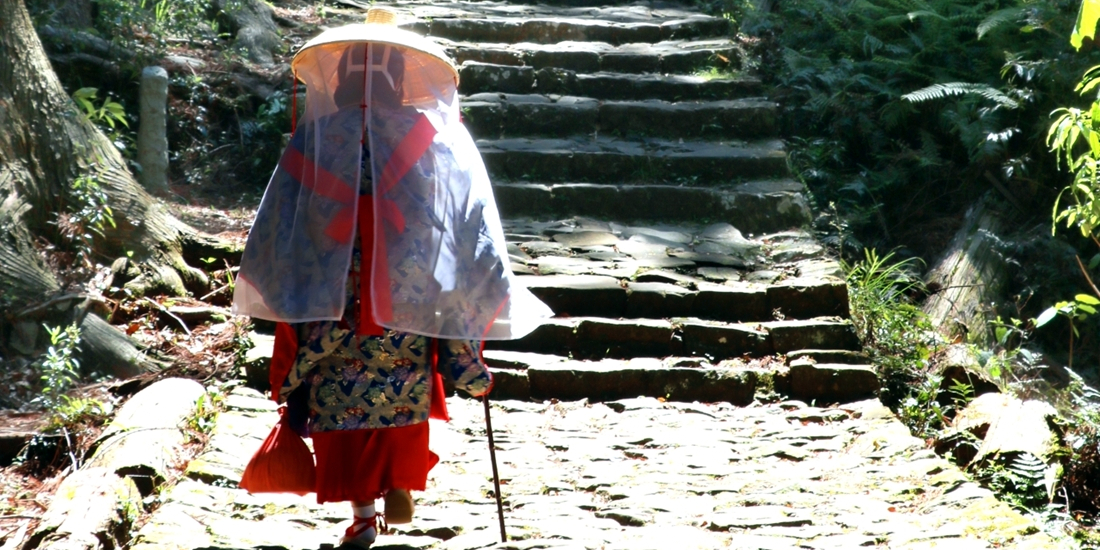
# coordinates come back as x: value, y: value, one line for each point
x: 1087, y: 299
x: 86, y: 93
x: 1086, y: 23
x: 1045, y: 317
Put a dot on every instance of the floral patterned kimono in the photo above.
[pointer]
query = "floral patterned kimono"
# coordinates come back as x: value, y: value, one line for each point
x: 369, y: 393
x: 369, y: 400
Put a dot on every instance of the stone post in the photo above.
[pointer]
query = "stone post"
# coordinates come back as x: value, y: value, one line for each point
x: 152, y: 140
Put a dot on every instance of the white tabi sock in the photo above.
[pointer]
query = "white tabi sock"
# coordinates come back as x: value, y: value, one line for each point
x: 363, y: 511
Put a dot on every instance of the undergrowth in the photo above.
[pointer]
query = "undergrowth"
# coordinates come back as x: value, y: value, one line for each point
x: 901, y: 111
x: 1062, y: 491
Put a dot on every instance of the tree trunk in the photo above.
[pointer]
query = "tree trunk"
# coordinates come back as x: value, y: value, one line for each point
x: 46, y: 145
x: 969, y: 279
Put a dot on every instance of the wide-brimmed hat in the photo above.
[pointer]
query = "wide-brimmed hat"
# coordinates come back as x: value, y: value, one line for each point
x: 427, y: 68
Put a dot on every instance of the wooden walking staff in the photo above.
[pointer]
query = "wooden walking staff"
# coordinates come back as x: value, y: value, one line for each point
x: 496, y: 475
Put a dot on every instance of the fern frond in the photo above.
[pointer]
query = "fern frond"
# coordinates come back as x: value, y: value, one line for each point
x: 1000, y: 17
x: 914, y: 15
x: 871, y: 45
x: 940, y: 91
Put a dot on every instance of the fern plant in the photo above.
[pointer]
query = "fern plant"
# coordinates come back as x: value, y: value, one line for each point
x: 941, y: 91
x: 927, y: 101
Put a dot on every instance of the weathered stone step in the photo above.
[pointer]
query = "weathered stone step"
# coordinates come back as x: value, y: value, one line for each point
x: 497, y: 115
x: 594, y: 295
x: 757, y: 207
x: 552, y: 30
x: 689, y: 256
x: 611, y: 160
x: 495, y: 78
x: 669, y: 57
x: 419, y: 14
x: 601, y: 338
x: 528, y: 375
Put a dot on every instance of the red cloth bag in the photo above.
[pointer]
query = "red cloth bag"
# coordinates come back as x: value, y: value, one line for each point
x: 283, y: 464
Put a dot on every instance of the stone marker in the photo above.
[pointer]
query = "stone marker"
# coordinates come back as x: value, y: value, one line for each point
x: 152, y: 140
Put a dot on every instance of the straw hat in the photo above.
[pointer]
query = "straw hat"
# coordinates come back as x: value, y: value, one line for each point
x: 428, y: 69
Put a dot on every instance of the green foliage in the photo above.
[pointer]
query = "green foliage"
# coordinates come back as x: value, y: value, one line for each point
x: 914, y: 97
x: 77, y: 410
x: 941, y: 91
x: 1085, y: 28
x: 880, y: 307
x: 1075, y: 139
x: 60, y: 369
x: 717, y: 73
x: 1082, y: 306
x: 87, y: 217
x: 1076, y: 311
x: 157, y: 17
x: 241, y: 341
x: 200, y: 423
x: 961, y: 394
x: 271, y: 122
x: 1024, y: 481
x: 106, y: 115
x: 109, y: 116
x: 898, y: 336
x: 920, y: 410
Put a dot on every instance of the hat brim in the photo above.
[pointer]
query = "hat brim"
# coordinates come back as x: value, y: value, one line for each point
x: 428, y: 68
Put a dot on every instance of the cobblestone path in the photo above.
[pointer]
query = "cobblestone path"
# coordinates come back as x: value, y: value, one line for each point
x: 632, y: 474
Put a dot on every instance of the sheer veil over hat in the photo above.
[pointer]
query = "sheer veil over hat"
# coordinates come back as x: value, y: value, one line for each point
x: 440, y: 265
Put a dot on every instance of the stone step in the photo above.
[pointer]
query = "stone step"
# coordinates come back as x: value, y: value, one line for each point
x: 757, y: 207
x: 602, y: 338
x: 595, y: 295
x: 610, y: 160
x: 520, y: 375
x: 419, y: 15
x: 829, y: 356
x: 595, y: 27
x: 688, y: 255
x: 496, y: 78
x: 498, y: 115
x: 669, y: 57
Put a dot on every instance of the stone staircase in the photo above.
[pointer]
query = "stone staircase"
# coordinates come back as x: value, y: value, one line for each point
x: 647, y: 200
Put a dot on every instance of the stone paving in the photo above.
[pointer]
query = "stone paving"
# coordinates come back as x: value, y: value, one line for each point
x: 632, y: 474
x: 716, y: 253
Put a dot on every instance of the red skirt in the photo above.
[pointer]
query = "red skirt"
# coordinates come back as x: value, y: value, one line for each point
x: 362, y: 465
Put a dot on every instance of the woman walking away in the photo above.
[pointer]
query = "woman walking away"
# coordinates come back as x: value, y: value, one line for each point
x: 378, y: 251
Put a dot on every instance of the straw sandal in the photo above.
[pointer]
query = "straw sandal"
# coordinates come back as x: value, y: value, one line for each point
x: 399, y: 507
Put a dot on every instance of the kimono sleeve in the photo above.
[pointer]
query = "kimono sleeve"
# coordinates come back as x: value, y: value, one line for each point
x: 461, y: 361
